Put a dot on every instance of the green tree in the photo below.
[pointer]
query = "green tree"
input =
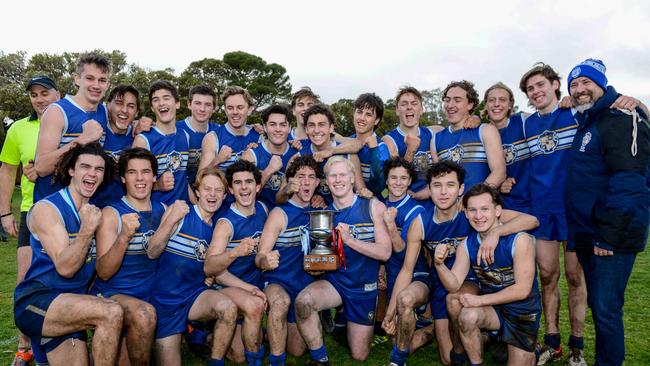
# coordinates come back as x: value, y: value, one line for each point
x: 344, y: 116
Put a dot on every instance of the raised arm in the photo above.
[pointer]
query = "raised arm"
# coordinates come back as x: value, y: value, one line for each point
x: 267, y: 258
x: 219, y: 259
x: 112, y: 240
x: 452, y: 279
x: 168, y: 225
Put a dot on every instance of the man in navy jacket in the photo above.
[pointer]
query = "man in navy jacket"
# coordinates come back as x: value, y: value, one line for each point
x: 607, y: 200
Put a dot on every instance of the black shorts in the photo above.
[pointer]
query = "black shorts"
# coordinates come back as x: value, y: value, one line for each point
x: 518, y: 330
x: 23, y: 231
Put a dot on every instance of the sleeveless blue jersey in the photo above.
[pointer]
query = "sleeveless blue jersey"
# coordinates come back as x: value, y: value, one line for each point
x: 359, y: 277
x: 262, y: 158
x: 223, y: 135
x: 196, y: 138
x: 451, y: 232
x: 517, y: 155
x: 422, y: 160
x: 136, y: 274
x: 323, y: 189
x: 464, y: 147
x: 74, y: 117
x: 172, y: 152
x: 290, y: 273
x: 42, y: 273
x: 549, y: 139
x: 112, y: 191
x: 408, y: 209
x: 501, y: 274
x: 243, y: 226
x: 365, y: 158
x: 180, y: 275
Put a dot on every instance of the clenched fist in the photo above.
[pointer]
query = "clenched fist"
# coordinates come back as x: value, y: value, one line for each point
x: 271, y: 260
x: 246, y: 247
x: 178, y: 210
x: 224, y: 154
x: 130, y: 223
x: 389, y: 216
x: 412, y: 143
x: 442, y: 251
x: 90, y: 216
x: 91, y: 131
x: 165, y: 182
x: 275, y: 164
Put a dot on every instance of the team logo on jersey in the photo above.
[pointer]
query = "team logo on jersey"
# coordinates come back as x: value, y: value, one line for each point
x: 115, y: 155
x: 256, y: 237
x: 102, y: 139
x: 200, y: 250
x: 456, y: 154
x: 451, y: 242
x: 422, y: 161
x: 145, y: 238
x: 323, y: 187
x: 496, y: 277
x: 92, y: 252
x: 274, y: 181
x: 548, y: 141
x: 174, y: 160
x: 585, y: 140
x: 371, y: 316
x: 354, y: 232
x: 510, y: 152
x: 194, y: 158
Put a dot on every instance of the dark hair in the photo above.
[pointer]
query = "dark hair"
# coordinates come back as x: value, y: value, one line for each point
x: 319, y: 108
x: 480, y: 189
x: 121, y: 89
x: 202, y: 90
x: 546, y: 71
x: 277, y: 109
x: 242, y: 165
x: 468, y: 87
x: 136, y: 153
x: 69, y: 158
x: 396, y: 162
x: 445, y: 167
x: 303, y: 161
x: 407, y: 90
x: 99, y: 60
x: 370, y: 101
x: 164, y: 85
x: 304, y: 92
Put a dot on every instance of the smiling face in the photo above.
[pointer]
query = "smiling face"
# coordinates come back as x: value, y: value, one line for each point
x: 541, y: 92
x: 365, y: 119
x: 244, y: 188
x: 319, y: 130
x: 445, y: 190
x: 122, y: 111
x: 237, y: 110
x: 92, y: 83
x: 164, y: 106
x: 498, y: 105
x: 398, y: 181
x: 409, y: 110
x: 340, y: 179
x: 139, y: 178
x: 87, y: 174
x: 482, y: 213
x: 277, y: 128
x: 210, y: 193
x: 456, y: 104
x: 42, y: 97
x: 302, y: 104
x: 201, y: 106
x: 585, y: 92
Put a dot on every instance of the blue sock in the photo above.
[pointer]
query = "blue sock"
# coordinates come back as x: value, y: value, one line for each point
x: 399, y: 356
x: 319, y: 354
x: 460, y: 357
x: 476, y: 364
x: 277, y: 360
x: 576, y: 342
x: 255, y: 358
x: 552, y: 340
x: 216, y: 362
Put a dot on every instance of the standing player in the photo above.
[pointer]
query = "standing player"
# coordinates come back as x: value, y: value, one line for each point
x: 354, y: 285
x: 169, y: 144
x: 19, y: 148
x: 79, y: 118
x: 179, y: 292
x: 281, y: 258
x: 509, y: 299
x: 231, y: 257
x: 51, y: 305
x: 300, y: 102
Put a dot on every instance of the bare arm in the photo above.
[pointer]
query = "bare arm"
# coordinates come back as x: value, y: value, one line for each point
x: 494, y: 151
x: 395, y: 238
x: 405, y: 275
x: 359, y: 184
x: 346, y: 145
x: 139, y: 141
x: 287, y: 188
x: 7, y: 178
x: 208, y: 150
x: 218, y: 259
x: 274, y: 225
x: 452, y: 279
x: 392, y: 149
x: 168, y: 224
x: 228, y: 279
x: 111, y: 245
x: 381, y: 248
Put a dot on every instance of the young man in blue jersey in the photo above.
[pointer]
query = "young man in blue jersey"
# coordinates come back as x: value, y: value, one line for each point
x: 79, y: 118
x: 354, y: 285
x: 169, y: 144
x: 280, y: 256
x: 231, y: 258
x: 201, y: 102
x: 51, y: 305
x: 300, y: 102
x: 509, y: 299
x: 272, y: 155
x: 226, y: 144
x: 125, y: 272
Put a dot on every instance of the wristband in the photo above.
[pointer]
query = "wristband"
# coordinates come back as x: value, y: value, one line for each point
x: 7, y: 214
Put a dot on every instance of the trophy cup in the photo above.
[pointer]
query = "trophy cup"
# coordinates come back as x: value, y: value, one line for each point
x: 326, y: 252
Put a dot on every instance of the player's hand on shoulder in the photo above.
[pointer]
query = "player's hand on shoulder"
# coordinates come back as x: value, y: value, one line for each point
x: 321, y: 156
x: 317, y: 201
x: 471, y: 122
x: 365, y: 193
x: 625, y: 102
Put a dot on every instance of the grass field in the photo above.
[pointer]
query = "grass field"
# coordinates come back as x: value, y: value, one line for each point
x: 637, y: 321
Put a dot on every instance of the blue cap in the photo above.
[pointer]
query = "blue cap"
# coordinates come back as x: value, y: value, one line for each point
x: 592, y: 69
x: 43, y: 81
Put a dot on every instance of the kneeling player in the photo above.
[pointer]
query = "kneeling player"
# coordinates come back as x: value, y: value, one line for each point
x: 180, y: 293
x: 281, y: 256
x: 509, y: 300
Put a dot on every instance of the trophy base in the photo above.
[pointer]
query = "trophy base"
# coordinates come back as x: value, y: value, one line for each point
x: 321, y: 262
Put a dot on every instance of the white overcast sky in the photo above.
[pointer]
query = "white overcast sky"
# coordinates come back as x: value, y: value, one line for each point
x: 344, y: 48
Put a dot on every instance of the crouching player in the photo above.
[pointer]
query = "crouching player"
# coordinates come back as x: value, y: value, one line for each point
x: 180, y: 293
x: 509, y: 299
x: 281, y: 257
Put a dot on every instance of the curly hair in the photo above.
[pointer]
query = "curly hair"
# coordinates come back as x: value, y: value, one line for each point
x: 468, y: 87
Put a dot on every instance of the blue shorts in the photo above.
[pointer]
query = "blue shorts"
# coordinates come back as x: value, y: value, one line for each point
x: 438, y: 294
x: 291, y: 314
x: 172, y: 319
x: 423, y: 277
x: 357, y: 309
x: 29, y: 315
x: 520, y: 330
x: 551, y: 227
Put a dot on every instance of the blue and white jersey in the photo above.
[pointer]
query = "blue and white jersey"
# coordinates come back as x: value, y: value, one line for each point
x: 172, y: 153
x: 136, y: 274
x: 243, y: 227
x: 112, y: 191
x: 223, y: 135
x: 42, y: 272
x: 451, y: 232
x: 290, y: 273
x: 464, y: 147
x: 365, y: 158
x: 549, y: 138
x: 323, y: 189
x: 501, y: 274
x: 196, y: 138
x: 359, y: 277
x: 517, y: 155
x: 180, y: 276
x: 408, y: 209
x: 74, y: 116
x: 422, y: 159
x: 262, y: 157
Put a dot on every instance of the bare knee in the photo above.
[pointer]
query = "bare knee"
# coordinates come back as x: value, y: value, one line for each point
x: 405, y: 302
x: 225, y: 309
x: 549, y: 275
x: 305, y: 305
x: 253, y: 308
x: 144, y: 317
x: 279, y: 305
x: 112, y: 312
x: 574, y: 277
x: 468, y: 320
x: 453, y: 304
x: 360, y: 354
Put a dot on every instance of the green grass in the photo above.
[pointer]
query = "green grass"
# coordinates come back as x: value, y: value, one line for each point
x: 637, y: 321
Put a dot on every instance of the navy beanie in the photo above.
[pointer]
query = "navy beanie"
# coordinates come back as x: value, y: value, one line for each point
x: 592, y: 69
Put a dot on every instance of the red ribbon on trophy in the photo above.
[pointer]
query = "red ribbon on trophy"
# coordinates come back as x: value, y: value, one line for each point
x: 338, y: 246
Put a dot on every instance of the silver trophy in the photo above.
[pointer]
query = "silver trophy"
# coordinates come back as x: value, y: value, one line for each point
x: 322, y: 237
